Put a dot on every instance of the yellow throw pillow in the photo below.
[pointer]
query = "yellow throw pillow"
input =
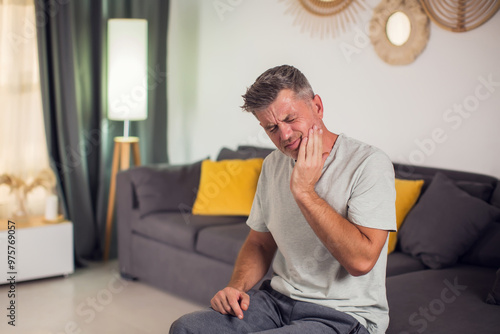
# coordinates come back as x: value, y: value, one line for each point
x: 227, y: 187
x: 407, y: 192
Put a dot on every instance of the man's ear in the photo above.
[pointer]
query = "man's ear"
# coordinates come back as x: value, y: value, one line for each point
x: 318, y: 106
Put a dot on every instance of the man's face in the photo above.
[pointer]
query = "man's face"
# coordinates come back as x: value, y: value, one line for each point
x: 288, y: 119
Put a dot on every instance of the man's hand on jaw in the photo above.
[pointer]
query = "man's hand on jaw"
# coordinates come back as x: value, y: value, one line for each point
x: 357, y: 248
x: 231, y: 301
x: 309, y: 165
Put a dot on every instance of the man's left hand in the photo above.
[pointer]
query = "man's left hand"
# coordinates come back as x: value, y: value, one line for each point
x: 309, y: 165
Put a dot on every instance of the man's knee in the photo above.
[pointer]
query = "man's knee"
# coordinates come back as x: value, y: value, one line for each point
x: 183, y: 325
x: 177, y: 327
x: 202, y: 322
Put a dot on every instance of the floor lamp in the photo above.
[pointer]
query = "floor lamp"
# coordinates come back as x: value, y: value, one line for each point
x: 127, y: 97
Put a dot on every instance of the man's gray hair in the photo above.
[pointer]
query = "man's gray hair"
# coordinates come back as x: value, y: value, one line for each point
x: 270, y: 83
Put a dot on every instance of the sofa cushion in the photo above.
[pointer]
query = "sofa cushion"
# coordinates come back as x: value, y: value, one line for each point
x: 167, y: 188
x: 227, y: 187
x: 486, y: 250
x: 177, y: 229
x: 407, y: 193
x: 442, y: 301
x: 445, y: 223
x: 494, y: 294
x: 400, y: 263
x: 222, y: 242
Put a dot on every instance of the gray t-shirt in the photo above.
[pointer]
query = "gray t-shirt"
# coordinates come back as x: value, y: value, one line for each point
x: 358, y: 182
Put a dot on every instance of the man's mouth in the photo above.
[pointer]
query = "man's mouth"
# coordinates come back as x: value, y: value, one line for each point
x: 294, y: 144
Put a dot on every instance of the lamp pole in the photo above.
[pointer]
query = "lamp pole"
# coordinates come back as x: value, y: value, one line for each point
x: 127, y: 97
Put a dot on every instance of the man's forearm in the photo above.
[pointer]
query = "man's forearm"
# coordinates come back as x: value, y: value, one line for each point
x: 344, y: 240
x: 251, y: 265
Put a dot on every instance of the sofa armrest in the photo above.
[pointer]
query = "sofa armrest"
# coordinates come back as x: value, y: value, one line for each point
x: 127, y: 212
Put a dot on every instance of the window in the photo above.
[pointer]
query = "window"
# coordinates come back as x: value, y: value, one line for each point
x: 23, y: 151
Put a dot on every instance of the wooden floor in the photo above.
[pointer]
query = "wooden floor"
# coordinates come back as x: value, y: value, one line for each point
x: 92, y: 300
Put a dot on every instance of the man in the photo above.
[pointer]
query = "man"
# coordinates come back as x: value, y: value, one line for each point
x: 323, y: 208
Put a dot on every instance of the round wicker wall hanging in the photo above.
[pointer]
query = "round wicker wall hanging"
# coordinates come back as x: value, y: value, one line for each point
x: 407, y: 49
x: 460, y: 15
x: 325, y: 17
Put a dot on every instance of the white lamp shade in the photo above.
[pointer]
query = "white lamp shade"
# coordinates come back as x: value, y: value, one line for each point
x: 127, y: 69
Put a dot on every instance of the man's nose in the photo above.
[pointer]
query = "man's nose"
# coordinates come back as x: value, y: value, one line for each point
x: 285, y: 131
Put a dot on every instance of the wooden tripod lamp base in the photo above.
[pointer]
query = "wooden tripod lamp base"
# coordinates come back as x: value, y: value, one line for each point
x: 121, y: 161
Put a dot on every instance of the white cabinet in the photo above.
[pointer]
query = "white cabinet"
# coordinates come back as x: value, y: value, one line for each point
x: 41, y: 250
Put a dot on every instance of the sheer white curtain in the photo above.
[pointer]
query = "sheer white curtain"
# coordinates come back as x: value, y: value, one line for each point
x: 23, y: 151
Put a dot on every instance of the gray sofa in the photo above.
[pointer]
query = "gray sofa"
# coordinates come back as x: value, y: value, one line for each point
x: 439, y: 277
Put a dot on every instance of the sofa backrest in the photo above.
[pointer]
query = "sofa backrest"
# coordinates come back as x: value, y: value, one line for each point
x: 477, y: 185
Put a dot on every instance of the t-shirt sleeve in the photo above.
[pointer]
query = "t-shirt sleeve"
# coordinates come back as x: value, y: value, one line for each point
x: 372, y: 201
x: 256, y: 220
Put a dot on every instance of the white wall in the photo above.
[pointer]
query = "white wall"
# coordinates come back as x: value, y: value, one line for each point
x: 214, y: 57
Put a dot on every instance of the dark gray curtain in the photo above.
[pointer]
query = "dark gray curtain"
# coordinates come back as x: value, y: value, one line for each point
x: 72, y: 56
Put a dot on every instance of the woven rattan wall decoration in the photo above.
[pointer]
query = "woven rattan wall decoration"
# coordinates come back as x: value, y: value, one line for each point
x: 325, y: 18
x: 460, y: 15
x: 405, y: 49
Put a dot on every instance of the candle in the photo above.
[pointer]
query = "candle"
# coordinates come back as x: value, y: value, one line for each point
x: 51, y: 208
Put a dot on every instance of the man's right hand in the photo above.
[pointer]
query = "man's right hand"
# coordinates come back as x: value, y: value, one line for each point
x: 231, y: 301
x: 252, y: 263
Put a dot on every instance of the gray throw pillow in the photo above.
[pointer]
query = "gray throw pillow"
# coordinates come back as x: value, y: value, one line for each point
x: 257, y: 152
x: 168, y: 188
x: 494, y: 295
x: 243, y: 153
x: 228, y: 154
x: 445, y: 223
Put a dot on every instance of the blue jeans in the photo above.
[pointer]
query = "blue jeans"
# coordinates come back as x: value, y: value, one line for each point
x: 270, y: 312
